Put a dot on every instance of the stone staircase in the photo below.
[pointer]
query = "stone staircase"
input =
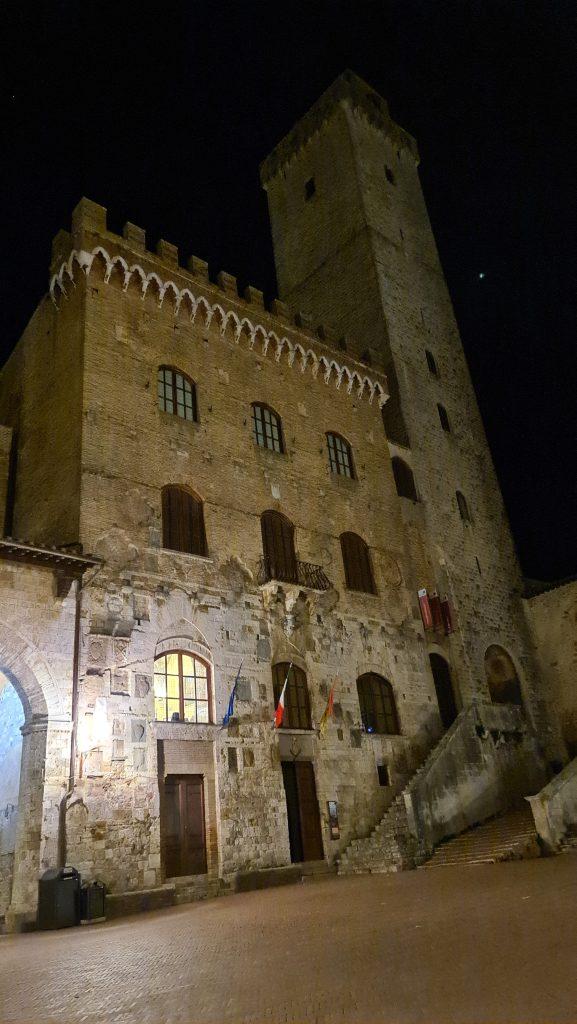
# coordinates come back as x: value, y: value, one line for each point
x: 508, y: 836
x: 389, y: 847
x: 399, y: 842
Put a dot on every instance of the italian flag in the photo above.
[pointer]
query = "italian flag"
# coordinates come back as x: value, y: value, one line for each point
x: 278, y: 715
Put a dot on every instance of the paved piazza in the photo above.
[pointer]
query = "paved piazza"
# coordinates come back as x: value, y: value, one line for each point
x: 467, y: 944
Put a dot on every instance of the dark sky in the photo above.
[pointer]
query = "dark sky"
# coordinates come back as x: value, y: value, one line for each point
x: 164, y: 117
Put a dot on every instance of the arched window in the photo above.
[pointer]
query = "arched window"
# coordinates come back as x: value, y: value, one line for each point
x: 431, y: 363
x: 297, y: 713
x: 404, y: 479
x: 176, y: 393
x: 278, y: 547
x: 357, y: 563
x: 340, y: 456
x: 444, y: 689
x: 267, y: 429
x: 444, y: 418
x: 182, y: 521
x: 463, y: 507
x: 181, y: 688
x: 377, y: 703
x: 502, y: 680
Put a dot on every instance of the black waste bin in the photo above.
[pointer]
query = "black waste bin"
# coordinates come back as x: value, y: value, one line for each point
x: 92, y: 902
x: 59, y: 898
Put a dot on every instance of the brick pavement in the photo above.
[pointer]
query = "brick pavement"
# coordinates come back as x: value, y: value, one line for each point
x: 460, y: 944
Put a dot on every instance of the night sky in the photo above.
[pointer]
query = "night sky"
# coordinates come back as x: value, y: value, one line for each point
x: 164, y: 117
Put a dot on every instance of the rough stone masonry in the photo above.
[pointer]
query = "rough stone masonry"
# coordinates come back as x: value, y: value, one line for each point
x: 95, y: 597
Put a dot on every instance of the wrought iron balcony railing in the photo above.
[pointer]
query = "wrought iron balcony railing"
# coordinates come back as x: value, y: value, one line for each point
x: 302, y: 574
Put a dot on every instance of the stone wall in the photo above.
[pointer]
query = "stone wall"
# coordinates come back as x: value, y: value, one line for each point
x: 486, y: 762
x: 361, y: 255
x: 552, y: 616
x: 11, y: 720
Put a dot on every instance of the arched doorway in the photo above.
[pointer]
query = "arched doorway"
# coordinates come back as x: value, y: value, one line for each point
x: 502, y: 679
x: 11, y: 722
x: 444, y: 689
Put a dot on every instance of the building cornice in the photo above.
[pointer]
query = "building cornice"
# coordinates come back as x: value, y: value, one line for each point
x: 296, y: 352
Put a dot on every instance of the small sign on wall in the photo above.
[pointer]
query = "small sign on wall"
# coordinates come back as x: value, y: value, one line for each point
x: 333, y: 819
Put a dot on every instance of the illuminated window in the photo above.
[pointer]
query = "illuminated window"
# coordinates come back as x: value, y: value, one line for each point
x: 297, y: 713
x: 310, y: 188
x: 357, y: 563
x: 181, y: 688
x: 377, y: 704
x: 182, y: 521
x: 266, y: 427
x: 444, y: 419
x: 340, y: 456
x: 176, y: 393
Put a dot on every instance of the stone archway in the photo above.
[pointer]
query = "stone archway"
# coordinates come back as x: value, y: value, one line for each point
x: 502, y: 678
x: 45, y: 748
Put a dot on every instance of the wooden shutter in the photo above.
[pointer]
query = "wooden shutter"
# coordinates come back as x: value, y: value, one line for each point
x: 297, y: 705
x: 182, y: 521
x: 278, y: 547
x: 357, y: 563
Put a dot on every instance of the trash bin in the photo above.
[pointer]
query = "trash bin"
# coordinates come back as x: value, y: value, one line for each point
x: 59, y: 898
x: 92, y: 902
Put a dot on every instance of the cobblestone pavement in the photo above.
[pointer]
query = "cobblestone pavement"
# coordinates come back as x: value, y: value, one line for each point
x: 461, y: 944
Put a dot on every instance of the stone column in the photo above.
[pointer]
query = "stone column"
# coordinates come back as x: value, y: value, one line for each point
x: 44, y: 749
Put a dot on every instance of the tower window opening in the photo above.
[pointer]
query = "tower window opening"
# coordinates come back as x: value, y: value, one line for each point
x: 463, y: 507
x: 444, y: 418
x: 310, y: 188
x: 431, y: 363
x: 389, y: 175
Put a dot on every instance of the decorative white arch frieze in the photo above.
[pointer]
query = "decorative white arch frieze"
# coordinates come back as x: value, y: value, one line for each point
x: 183, y: 300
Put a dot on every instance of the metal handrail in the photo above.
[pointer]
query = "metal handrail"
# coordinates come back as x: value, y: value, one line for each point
x: 302, y: 574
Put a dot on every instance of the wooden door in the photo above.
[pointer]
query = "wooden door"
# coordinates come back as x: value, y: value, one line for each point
x: 304, y: 824
x: 182, y: 826
x: 444, y: 689
x: 309, y: 811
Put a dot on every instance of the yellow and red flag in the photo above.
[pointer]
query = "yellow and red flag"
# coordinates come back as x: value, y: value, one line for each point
x: 327, y: 712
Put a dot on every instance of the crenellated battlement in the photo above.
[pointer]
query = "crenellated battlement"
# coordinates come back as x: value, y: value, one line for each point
x: 190, y: 293
x: 347, y: 89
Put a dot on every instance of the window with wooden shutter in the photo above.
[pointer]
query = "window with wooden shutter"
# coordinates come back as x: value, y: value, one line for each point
x: 404, y: 479
x: 278, y: 547
x: 183, y: 521
x: 340, y: 456
x: 297, y: 713
x: 357, y: 563
x: 377, y: 704
x: 176, y: 393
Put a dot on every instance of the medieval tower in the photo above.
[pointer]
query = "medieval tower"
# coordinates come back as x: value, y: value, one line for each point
x: 354, y: 248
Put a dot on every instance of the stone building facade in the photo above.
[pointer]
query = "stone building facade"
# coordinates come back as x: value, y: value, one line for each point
x: 100, y: 455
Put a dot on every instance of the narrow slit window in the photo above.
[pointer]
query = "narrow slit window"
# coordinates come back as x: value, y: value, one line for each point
x: 463, y: 507
x: 389, y: 175
x: 444, y: 419
x: 431, y: 363
x: 310, y: 188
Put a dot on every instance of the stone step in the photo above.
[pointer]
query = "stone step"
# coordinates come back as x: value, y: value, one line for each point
x: 509, y: 836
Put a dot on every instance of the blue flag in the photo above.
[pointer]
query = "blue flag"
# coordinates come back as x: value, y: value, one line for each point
x: 230, y: 709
